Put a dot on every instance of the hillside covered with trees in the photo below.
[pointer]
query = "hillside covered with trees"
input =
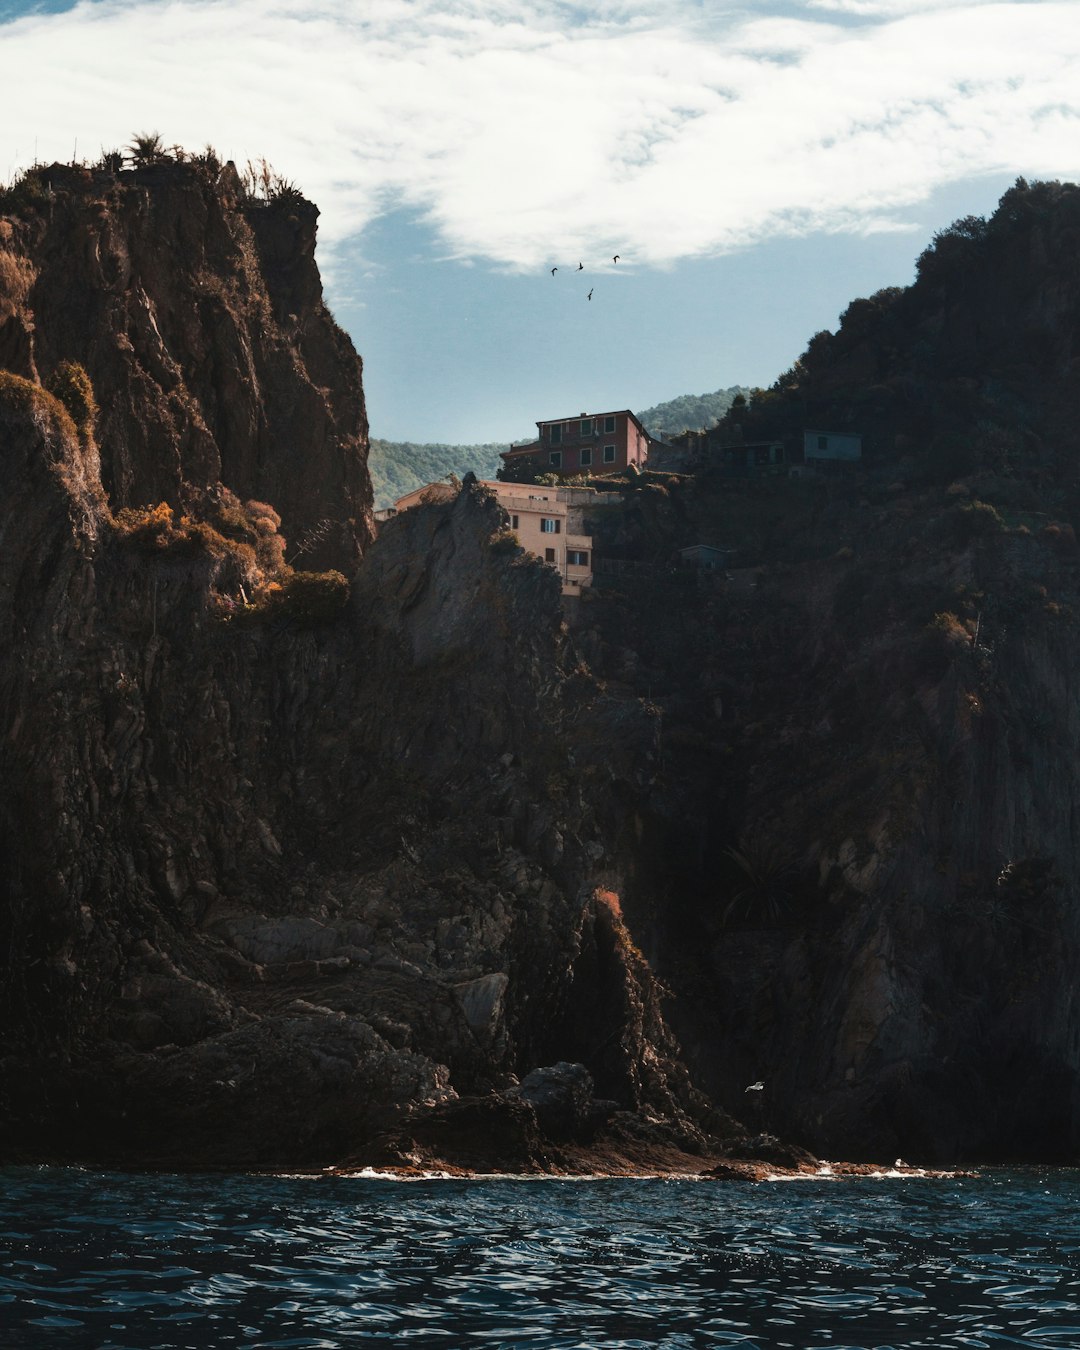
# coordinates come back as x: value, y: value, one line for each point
x: 689, y: 412
x: 398, y: 467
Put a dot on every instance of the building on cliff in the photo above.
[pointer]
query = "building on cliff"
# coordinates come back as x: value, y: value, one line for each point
x: 597, y: 443
x: 548, y: 521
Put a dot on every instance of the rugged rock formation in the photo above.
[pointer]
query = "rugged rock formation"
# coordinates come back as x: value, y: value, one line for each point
x: 859, y: 865
x: 305, y: 869
x: 197, y: 312
x: 281, y: 885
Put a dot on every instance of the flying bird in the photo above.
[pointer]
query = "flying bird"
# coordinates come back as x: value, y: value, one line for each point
x: 554, y: 270
x: 615, y: 259
x: 581, y: 267
x: 589, y: 296
x: 759, y: 1086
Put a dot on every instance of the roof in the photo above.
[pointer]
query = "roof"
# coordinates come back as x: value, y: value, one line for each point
x: 616, y: 412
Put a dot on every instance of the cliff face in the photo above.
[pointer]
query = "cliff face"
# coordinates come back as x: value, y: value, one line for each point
x: 297, y: 868
x: 197, y: 313
x: 286, y: 879
x: 859, y: 868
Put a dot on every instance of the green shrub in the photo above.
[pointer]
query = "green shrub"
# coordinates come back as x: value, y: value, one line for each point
x: 28, y: 193
x: 504, y: 541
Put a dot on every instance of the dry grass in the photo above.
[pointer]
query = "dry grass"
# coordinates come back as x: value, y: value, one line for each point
x: 17, y: 276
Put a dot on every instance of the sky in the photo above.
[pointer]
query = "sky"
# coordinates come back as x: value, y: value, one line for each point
x: 755, y: 167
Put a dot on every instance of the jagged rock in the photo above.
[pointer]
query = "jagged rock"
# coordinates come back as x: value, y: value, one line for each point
x: 767, y: 1148
x: 562, y: 1097
x: 482, y: 1003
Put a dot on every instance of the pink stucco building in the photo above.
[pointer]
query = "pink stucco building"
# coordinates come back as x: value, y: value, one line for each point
x: 591, y: 443
x: 548, y: 521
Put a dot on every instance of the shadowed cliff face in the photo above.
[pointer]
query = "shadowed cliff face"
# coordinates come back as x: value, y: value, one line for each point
x: 270, y: 886
x: 198, y: 315
x: 278, y: 880
x: 859, y: 869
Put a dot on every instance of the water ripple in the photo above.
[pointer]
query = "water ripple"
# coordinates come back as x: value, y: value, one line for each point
x: 113, y: 1262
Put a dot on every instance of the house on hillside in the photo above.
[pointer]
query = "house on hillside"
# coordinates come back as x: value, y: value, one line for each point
x: 596, y: 443
x: 831, y: 447
x: 706, y: 557
x: 548, y: 521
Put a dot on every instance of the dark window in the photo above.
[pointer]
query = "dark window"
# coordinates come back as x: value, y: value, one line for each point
x: 513, y: 522
x: 823, y: 442
x: 609, y: 454
x: 761, y: 454
x: 549, y: 555
x: 609, y: 425
x: 556, y: 436
x: 586, y: 454
x: 578, y: 557
x: 556, y: 459
x: 586, y: 426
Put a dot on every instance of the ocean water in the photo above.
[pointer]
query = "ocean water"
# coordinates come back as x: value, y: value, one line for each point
x: 162, y: 1262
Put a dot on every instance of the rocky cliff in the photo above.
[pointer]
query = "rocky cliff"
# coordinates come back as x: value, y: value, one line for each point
x: 859, y: 868
x: 293, y: 870
x: 376, y: 863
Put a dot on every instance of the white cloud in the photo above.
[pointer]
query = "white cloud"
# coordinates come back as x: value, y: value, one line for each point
x: 526, y: 132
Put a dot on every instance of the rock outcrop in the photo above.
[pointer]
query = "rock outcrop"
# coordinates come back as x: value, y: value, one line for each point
x: 289, y: 875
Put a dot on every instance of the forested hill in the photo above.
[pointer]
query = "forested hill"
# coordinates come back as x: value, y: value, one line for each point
x: 690, y: 411
x: 397, y: 467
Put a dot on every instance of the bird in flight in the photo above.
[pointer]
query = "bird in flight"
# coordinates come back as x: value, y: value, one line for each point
x: 589, y: 296
x: 615, y: 259
x: 759, y: 1086
x: 581, y: 267
x: 554, y: 270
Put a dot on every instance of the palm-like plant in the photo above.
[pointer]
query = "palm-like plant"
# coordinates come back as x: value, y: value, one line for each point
x: 146, y: 147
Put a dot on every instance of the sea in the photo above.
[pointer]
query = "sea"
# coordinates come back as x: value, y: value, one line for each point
x: 170, y: 1262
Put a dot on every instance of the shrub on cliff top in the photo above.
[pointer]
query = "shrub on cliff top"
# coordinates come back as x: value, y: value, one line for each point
x: 146, y: 147
x: 70, y: 383
x: 26, y: 193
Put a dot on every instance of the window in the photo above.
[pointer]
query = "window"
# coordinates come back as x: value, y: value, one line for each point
x: 586, y: 426
x: 549, y: 555
x: 548, y: 526
x: 577, y: 557
x: 513, y: 522
x: 556, y: 435
x: 609, y: 454
x: 556, y: 459
x: 586, y: 455
x: 609, y: 425
x: 823, y: 442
